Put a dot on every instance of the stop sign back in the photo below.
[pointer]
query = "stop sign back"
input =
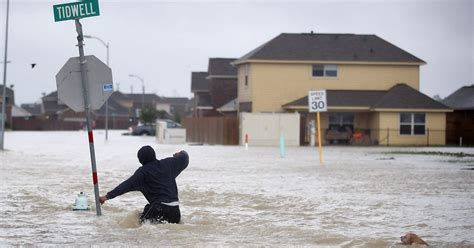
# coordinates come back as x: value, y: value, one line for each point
x: 100, y: 85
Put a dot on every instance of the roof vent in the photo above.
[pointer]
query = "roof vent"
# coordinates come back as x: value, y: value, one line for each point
x: 311, y: 32
x: 372, y: 50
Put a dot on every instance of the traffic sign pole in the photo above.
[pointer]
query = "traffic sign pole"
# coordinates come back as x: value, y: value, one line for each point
x: 319, y: 138
x: 317, y: 103
x: 87, y: 107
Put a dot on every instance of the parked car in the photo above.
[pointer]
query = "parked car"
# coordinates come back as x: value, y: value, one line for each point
x: 143, y: 129
x: 170, y: 123
x: 150, y: 129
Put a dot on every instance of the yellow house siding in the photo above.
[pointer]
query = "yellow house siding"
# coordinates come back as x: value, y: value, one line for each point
x: 374, y: 125
x: 272, y: 85
x: 435, y: 122
x: 244, y: 92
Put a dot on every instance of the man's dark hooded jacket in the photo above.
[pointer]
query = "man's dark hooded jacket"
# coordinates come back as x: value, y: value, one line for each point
x: 155, y: 178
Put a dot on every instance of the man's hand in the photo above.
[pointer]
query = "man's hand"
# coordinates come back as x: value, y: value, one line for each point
x: 102, y: 199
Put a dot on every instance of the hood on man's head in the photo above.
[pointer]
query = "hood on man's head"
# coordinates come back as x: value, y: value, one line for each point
x: 146, y: 154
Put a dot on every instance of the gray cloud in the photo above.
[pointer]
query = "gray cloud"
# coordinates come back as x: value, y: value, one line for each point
x: 164, y: 41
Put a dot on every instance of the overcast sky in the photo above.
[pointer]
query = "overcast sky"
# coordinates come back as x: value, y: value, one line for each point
x: 164, y: 41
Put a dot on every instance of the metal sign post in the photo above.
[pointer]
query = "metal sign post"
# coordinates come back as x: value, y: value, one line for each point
x: 317, y: 103
x: 85, y: 91
x: 93, y: 86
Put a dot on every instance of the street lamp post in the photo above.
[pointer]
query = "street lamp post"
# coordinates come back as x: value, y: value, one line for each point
x: 4, y: 93
x: 143, y: 88
x: 107, y: 101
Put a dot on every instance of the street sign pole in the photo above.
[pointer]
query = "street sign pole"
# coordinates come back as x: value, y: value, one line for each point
x: 87, y: 110
x: 318, y: 119
x: 317, y: 103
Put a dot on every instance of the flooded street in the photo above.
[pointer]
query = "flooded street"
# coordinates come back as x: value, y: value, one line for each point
x: 360, y: 196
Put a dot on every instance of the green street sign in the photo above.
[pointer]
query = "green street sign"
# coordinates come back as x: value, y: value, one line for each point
x: 76, y: 10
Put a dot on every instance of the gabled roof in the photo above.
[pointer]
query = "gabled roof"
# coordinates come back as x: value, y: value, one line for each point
x: 52, y: 104
x: 400, y: 96
x: 462, y: 99
x: 32, y: 108
x: 330, y: 47
x: 221, y: 67
x: 20, y: 112
x: 115, y: 108
x: 139, y: 97
x: 119, y: 96
x: 53, y: 96
x: 175, y: 100
x: 199, y: 81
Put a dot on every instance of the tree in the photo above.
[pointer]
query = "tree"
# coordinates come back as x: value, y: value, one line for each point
x: 437, y: 98
x: 148, y: 114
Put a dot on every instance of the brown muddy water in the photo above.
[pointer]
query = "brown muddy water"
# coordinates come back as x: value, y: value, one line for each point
x: 359, y: 197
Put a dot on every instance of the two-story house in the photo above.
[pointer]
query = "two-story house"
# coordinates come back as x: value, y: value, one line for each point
x: 215, y: 91
x: 372, y: 88
x: 202, y: 99
x: 222, y: 80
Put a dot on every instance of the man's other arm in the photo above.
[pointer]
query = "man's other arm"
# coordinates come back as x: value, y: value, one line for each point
x: 180, y: 162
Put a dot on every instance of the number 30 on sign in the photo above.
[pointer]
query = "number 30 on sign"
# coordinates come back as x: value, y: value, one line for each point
x: 317, y: 101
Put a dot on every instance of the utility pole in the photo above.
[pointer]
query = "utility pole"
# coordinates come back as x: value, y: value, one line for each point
x: 4, y: 93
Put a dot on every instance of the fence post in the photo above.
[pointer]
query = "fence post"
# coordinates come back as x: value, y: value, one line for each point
x: 428, y: 137
x: 388, y: 136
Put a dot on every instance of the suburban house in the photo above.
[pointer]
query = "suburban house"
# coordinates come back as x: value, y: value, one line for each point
x: 120, y: 112
x: 202, y: 99
x: 52, y: 114
x: 10, y: 102
x: 51, y: 106
x: 143, y: 100
x: 215, y: 91
x: 222, y: 77
x: 372, y: 88
x: 460, y: 123
x: 177, y: 107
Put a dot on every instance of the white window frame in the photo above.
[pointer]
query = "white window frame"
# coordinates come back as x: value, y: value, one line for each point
x: 412, y: 124
x: 326, y: 69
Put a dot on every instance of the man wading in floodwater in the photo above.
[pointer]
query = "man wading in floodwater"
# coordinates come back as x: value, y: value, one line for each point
x: 156, y: 180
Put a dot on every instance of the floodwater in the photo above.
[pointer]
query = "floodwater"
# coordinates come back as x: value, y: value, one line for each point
x: 359, y: 197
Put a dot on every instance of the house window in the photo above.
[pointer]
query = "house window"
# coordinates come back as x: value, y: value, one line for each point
x: 412, y: 123
x: 324, y: 70
x: 246, y: 74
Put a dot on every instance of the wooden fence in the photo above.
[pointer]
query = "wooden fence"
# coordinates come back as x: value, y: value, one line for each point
x: 212, y: 130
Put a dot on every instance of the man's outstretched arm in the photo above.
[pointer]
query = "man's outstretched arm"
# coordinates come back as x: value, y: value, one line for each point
x: 131, y: 184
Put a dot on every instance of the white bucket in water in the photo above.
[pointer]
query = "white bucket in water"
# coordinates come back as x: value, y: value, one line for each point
x: 81, y: 202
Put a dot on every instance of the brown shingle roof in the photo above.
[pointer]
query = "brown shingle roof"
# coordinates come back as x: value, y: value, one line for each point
x: 221, y: 67
x: 462, y: 99
x: 400, y: 96
x: 199, y: 81
x: 330, y: 47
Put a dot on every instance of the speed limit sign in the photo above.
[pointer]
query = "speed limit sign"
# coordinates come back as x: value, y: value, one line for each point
x: 317, y: 101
